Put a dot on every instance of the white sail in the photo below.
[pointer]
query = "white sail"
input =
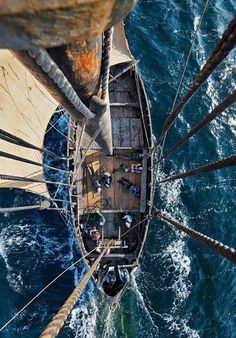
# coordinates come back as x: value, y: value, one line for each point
x: 25, y: 110
x: 120, y: 50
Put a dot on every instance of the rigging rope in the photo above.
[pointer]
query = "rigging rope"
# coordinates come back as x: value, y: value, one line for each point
x: 220, y: 108
x: 58, y: 320
x: 227, y: 162
x: 106, y: 51
x: 25, y: 160
x: 41, y: 206
x: 78, y: 146
x: 27, y: 179
x: 46, y: 63
x: 134, y: 226
x: 90, y: 145
x: 219, y: 247
x: 53, y: 125
x: 45, y: 288
x: 186, y: 64
x: 223, y: 48
x: 131, y: 65
x: 5, y: 136
x: 61, y: 133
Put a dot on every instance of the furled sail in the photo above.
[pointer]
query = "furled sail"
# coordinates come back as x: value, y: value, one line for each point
x: 120, y: 50
x: 25, y: 110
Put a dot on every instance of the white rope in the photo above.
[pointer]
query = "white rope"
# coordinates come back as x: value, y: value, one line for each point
x: 134, y: 226
x: 78, y: 146
x: 52, y: 125
x: 89, y: 147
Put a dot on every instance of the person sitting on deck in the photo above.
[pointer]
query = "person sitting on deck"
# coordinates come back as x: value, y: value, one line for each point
x: 110, y: 277
x: 95, y: 180
x: 100, y: 218
x: 136, y: 168
x: 106, y: 178
x: 134, y: 155
x: 123, y: 274
x: 122, y: 169
x: 133, y: 189
x: 94, y: 234
x: 127, y: 219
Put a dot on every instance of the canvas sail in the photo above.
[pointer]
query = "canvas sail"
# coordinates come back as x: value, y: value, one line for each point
x: 120, y: 50
x: 25, y: 110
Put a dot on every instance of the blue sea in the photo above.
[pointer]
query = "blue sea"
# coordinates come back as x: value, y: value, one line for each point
x: 182, y: 288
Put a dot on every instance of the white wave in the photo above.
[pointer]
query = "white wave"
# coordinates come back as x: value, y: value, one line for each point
x: 18, y: 239
x: 151, y: 324
x: 181, y: 264
x: 109, y: 325
x: 179, y: 325
x: 175, y: 255
x: 196, y: 21
x: 83, y: 317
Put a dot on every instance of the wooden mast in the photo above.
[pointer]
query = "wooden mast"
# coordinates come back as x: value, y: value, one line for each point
x: 71, y: 32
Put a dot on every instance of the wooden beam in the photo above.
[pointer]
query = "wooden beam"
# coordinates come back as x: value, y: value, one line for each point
x: 24, y: 23
x: 81, y: 62
x: 124, y: 104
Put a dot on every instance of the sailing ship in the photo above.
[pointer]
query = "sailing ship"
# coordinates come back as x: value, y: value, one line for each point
x: 110, y: 147
x: 125, y: 203
x: 129, y: 167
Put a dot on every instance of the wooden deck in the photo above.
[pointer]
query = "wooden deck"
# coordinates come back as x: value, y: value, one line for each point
x: 127, y: 135
x: 125, y: 113
x: 110, y: 199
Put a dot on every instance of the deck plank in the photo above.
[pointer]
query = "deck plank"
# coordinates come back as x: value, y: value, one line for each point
x: 125, y: 112
x: 125, y: 132
x: 116, y: 132
x: 143, y: 196
x: 136, y: 130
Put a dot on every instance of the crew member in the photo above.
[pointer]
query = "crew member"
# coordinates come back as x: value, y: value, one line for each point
x: 127, y: 219
x: 95, y: 180
x: 94, y: 234
x: 106, y: 178
x: 100, y: 218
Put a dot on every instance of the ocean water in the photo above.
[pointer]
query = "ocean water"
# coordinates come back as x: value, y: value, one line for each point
x: 181, y: 289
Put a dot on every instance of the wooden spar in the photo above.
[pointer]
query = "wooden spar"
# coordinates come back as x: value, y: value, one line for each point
x: 75, y: 26
x: 53, y: 88
x: 48, y: 83
x: 81, y: 62
x: 54, y: 23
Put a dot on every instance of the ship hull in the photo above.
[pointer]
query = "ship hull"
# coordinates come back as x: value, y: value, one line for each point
x: 132, y: 148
